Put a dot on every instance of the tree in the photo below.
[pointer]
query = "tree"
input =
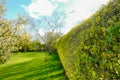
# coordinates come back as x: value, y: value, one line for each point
x: 51, y: 26
x: 2, y: 9
x: 50, y: 40
x: 25, y: 40
x: 35, y: 45
x: 8, y: 34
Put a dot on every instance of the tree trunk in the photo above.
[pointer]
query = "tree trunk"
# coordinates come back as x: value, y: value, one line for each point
x: 25, y: 49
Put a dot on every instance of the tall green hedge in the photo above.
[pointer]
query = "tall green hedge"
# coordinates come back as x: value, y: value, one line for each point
x: 91, y: 50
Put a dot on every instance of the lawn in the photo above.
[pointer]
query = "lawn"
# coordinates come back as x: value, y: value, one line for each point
x: 32, y: 66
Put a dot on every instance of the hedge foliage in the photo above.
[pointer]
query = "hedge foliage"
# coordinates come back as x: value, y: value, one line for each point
x: 91, y: 50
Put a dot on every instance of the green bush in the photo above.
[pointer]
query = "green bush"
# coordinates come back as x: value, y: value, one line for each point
x: 91, y: 51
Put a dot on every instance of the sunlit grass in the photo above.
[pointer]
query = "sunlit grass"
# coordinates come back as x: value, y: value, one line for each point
x: 32, y: 66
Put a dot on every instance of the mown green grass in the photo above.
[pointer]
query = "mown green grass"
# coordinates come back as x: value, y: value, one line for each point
x: 32, y: 66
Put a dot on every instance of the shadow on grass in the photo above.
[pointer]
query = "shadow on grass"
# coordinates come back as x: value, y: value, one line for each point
x: 34, y: 70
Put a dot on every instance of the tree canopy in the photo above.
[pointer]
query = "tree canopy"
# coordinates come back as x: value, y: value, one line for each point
x: 8, y: 34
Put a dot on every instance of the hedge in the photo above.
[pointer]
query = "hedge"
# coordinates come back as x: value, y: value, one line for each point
x: 91, y: 50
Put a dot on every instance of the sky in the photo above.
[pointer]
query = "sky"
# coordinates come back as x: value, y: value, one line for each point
x: 79, y: 9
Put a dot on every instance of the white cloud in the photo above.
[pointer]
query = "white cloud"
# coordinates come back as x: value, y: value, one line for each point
x: 39, y: 8
x: 41, y: 31
x: 63, y: 1
x: 81, y: 9
x: 24, y: 7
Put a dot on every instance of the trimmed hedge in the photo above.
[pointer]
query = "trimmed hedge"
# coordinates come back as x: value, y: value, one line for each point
x: 91, y: 50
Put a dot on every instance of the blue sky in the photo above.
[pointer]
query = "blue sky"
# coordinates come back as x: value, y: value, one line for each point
x: 14, y: 8
x: 81, y: 9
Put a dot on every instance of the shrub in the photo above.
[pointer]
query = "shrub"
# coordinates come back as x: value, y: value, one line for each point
x: 91, y: 51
